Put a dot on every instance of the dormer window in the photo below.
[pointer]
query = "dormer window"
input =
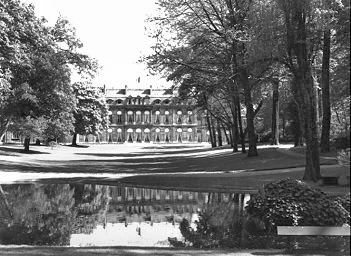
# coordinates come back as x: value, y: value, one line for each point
x: 119, y: 102
x: 147, y: 100
x: 157, y: 101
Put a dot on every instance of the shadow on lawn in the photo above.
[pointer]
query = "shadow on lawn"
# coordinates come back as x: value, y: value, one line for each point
x: 8, y: 151
x: 222, y: 161
x: 138, y: 154
x: 77, y: 146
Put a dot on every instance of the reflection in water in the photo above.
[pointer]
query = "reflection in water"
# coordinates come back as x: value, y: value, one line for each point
x: 99, y: 215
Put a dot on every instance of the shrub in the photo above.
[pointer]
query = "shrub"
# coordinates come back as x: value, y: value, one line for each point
x: 342, y: 141
x: 217, y: 227
x: 344, y: 201
x: 344, y: 157
x: 292, y: 203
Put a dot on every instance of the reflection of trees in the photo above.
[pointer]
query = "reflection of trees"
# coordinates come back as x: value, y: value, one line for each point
x: 91, y: 203
x: 218, y: 226
x: 4, y: 204
x: 90, y: 198
x: 42, y: 215
x: 49, y: 214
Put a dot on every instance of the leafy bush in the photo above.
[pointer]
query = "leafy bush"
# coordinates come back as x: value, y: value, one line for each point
x: 217, y: 227
x: 344, y: 157
x: 345, y: 201
x: 342, y: 141
x: 291, y: 203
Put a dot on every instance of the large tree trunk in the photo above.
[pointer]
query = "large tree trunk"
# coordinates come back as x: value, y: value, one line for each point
x: 275, y: 114
x: 325, y: 146
x: 208, y: 121
x: 220, y: 140
x: 312, y: 170
x: 249, y: 114
x: 214, y: 137
x: 226, y: 134
x: 241, y: 130
x: 230, y: 136
x: 234, y: 130
x: 74, y: 139
x: 26, y: 144
x: 297, y: 37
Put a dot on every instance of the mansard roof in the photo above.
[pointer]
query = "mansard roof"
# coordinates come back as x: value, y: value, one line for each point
x: 151, y: 93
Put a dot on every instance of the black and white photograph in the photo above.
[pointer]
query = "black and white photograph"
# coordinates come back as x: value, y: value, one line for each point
x: 174, y: 127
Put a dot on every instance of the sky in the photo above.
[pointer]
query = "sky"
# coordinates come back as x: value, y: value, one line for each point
x: 112, y: 31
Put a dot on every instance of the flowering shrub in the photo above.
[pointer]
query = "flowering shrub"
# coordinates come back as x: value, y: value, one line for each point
x: 293, y: 203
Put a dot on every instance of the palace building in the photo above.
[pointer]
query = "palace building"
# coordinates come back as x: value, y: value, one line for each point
x: 152, y: 115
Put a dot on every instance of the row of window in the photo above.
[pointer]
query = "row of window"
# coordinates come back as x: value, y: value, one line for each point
x: 157, y: 130
x: 146, y: 118
x: 146, y: 137
x: 139, y: 101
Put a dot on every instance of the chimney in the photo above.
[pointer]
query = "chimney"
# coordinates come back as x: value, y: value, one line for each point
x: 150, y: 90
x: 126, y: 89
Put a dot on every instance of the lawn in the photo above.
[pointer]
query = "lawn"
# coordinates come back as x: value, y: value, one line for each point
x: 182, y: 166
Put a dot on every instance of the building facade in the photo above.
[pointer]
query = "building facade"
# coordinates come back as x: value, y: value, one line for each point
x: 152, y: 115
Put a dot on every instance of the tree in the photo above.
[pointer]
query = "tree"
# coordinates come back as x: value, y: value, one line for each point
x: 325, y: 146
x: 91, y: 113
x: 39, y: 60
x: 295, y: 19
x: 58, y: 128
x: 218, y: 40
x: 29, y: 127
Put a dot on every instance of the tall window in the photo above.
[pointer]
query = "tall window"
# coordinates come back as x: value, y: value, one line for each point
x: 119, y: 135
x: 119, y: 117
x: 157, y: 120
x: 146, y: 135
x: 138, y: 116
x: 190, y: 120
x: 138, y: 133
x: 130, y: 135
x: 166, y: 117
x: 146, y: 116
x: 157, y: 136
x: 130, y: 117
x: 167, y: 139
x: 179, y: 117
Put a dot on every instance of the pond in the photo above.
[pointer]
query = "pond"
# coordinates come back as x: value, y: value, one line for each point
x: 76, y: 214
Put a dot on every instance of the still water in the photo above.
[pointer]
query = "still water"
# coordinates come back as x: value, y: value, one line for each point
x: 100, y: 215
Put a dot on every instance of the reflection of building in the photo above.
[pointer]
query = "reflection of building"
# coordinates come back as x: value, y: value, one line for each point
x: 152, y: 115
x: 129, y: 204
x: 120, y: 211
